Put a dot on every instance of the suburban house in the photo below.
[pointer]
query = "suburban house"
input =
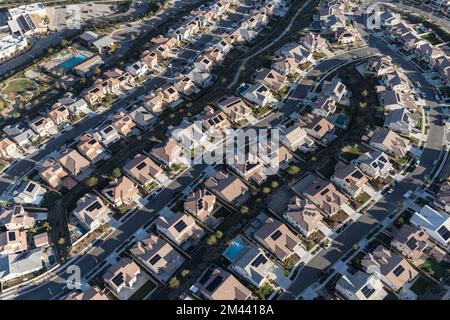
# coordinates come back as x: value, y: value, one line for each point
x: 217, y: 284
x: 435, y: 223
x: 304, y: 215
x: 121, y: 275
x: 43, y: 126
x: 107, y: 135
x: 142, y: 118
x: 121, y: 192
x: 184, y: 85
x: 138, y: 69
x: 396, y: 80
x: 158, y: 256
x: 361, y: 286
x: 103, y: 44
x: 53, y: 173
x: 392, y: 100
x: 227, y: 186
x: 349, y: 178
x: 73, y: 162
x: 21, y: 135
x: 316, y: 126
x: 270, y: 78
x: 295, y: 51
x: 29, y: 192
x: 91, y: 148
x: 258, y: 94
x: 252, y: 263
x: 324, y: 106
x: 143, y: 170
x: 250, y: 168
x: 204, y: 64
x: 188, y: 134
x: 8, y: 149
x: 278, y: 239
x: 180, y: 228
x: 200, y: 203
x: 16, y: 218
x: 374, y: 164
x: 214, y: 121
x: 401, y: 121
x: 169, y: 153
x: 235, y: 109
x: 286, y: 65
x: 59, y: 115
x: 345, y: 35
x: 154, y: 102
x: 91, y: 211
x: 41, y: 240
x: 335, y: 89
x: 325, y: 195
x: 380, y: 65
x: 389, y: 267
x: 313, y: 42
x: 410, y: 241
x: 150, y: 58
x: 123, y: 124
x: 391, y: 143
x: 13, y: 242
x: 295, y: 137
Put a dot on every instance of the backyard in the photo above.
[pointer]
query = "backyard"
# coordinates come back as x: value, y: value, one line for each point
x: 435, y: 269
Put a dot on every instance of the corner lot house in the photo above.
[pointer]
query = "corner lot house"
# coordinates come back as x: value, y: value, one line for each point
x: 91, y: 211
x: 20, y: 134
x: 29, y: 192
x: 389, y: 267
x: 13, y: 242
x: 361, y: 286
x: 218, y: 284
x: 435, y: 223
x: 278, y: 239
x: 8, y: 149
x: 158, y: 256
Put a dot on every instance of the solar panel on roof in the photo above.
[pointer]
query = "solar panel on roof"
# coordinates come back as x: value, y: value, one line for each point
x: 399, y: 270
x: 154, y: 259
x: 276, y: 235
x: 12, y: 236
x: 367, y: 292
x: 180, y: 225
x: 95, y: 206
x: 259, y: 260
x: 141, y: 165
x: 118, y: 279
x: 444, y: 233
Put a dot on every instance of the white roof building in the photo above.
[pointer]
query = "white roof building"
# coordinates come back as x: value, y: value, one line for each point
x: 435, y: 223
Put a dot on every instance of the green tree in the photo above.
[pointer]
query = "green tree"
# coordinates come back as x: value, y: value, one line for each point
x: 174, y: 282
x: 185, y: 273
x: 293, y: 170
x: 61, y: 241
x: 274, y: 184
x: 91, y: 181
x: 244, y: 210
x: 116, y: 173
x: 266, y: 190
x: 219, y: 234
x: 212, y: 240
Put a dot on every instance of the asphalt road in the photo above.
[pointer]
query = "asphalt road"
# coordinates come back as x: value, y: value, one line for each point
x: 312, y: 271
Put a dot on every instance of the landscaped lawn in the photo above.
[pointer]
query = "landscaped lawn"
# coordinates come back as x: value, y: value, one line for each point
x: 328, y: 169
x: 319, y: 55
x: 421, y: 285
x: 435, y: 269
x: 362, y: 198
x: 432, y: 38
x: 49, y: 199
x: 19, y: 86
x: 352, y: 152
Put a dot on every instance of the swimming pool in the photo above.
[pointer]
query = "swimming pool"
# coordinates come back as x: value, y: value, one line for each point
x: 234, y: 249
x: 74, y: 61
x: 341, y: 120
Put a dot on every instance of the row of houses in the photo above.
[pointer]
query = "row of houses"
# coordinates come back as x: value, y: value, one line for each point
x: 412, y: 43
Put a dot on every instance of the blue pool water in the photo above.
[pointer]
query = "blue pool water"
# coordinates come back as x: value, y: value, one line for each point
x: 69, y: 64
x: 340, y: 120
x: 234, y: 250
